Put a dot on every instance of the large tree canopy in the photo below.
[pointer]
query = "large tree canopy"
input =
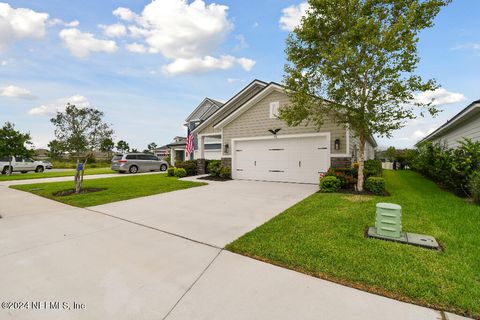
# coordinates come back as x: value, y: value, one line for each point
x: 360, y: 56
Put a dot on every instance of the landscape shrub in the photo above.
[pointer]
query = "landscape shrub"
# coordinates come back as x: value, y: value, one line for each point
x: 171, y: 171
x: 347, y: 176
x: 225, y: 172
x: 450, y: 167
x: 214, y: 167
x: 375, y: 185
x: 474, y: 186
x: 190, y: 166
x: 180, y: 172
x: 330, y: 184
x: 372, y: 168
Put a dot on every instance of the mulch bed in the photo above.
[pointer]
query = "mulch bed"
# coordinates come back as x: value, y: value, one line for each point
x: 212, y: 178
x: 69, y: 192
x: 362, y: 193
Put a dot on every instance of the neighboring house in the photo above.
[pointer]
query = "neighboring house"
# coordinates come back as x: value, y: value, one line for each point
x: 466, y: 124
x: 177, y: 149
x: 162, y: 152
x: 245, y: 124
x: 41, y: 154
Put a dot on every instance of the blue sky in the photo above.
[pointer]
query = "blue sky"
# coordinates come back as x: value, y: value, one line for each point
x: 148, y: 65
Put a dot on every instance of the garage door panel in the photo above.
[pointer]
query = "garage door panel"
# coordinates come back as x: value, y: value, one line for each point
x: 282, y: 159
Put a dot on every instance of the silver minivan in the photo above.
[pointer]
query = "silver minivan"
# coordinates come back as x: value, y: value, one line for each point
x: 137, y: 162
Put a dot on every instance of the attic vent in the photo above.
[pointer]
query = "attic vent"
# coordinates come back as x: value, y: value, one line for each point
x: 274, y: 107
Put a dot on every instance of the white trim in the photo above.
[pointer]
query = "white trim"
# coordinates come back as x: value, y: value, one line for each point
x: 450, y: 123
x: 223, y: 107
x: 201, y: 151
x: 268, y: 89
x: 340, y: 155
x: 287, y: 136
x: 347, y: 138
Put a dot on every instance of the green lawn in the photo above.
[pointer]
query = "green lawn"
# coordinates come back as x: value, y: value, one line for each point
x: 35, y: 175
x: 324, y: 236
x: 117, y: 189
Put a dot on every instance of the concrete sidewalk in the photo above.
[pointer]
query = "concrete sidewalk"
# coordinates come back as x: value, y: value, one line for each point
x: 125, y: 270
x: 70, y: 178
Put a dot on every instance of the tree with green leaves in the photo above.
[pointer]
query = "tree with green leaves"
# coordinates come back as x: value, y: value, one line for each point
x: 80, y: 131
x: 151, y: 147
x: 14, y: 143
x: 55, y: 149
x: 107, y: 146
x: 360, y: 57
x: 391, y: 153
x: 122, y: 146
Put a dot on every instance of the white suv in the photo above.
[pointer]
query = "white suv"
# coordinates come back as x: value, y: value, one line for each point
x: 23, y: 165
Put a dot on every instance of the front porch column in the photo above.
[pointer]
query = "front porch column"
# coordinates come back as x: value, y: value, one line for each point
x: 201, y: 147
x: 172, y: 157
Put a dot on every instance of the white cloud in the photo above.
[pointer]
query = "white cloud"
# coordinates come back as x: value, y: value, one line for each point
x: 136, y: 47
x: 242, y: 42
x: 234, y: 80
x: 419, y: 134
x: 81, y: 44
x: 247, y: 64
x: 59, y: 105
x: 186, y: 33
x: 205, y: 64
x: 3, y: 63
x: 113, y: 30
x: 468, y: 46
x: 292, y: 16
x: 439, y: 96
x: 71, y: 24
x: 124, y: 14
x: 20, y: 23
x: 12, y: 91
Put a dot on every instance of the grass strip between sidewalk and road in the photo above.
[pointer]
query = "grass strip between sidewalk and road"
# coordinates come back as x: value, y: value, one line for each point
x: 324, y: 236
x: 55, y: 174
x: 115, y: 189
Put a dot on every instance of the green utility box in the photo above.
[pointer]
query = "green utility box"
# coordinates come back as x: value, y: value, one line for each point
x: 389, y: 220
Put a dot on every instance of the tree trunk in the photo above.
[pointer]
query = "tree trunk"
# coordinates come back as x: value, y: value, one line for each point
x: 361, y: 162
x: 78, y: 184
x: 9, y: 171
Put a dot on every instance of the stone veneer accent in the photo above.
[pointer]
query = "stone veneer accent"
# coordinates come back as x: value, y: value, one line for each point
x: 227, y: 162
x: 201, y: 166
x: 341, y: 162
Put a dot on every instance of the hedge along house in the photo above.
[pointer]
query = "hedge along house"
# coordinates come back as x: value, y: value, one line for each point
x: 256, y: 145
x: 465, y: 124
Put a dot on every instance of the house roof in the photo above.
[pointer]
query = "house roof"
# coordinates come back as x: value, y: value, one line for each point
x: 214, y: 102
x: 232, y: 100
x: 457, y: 120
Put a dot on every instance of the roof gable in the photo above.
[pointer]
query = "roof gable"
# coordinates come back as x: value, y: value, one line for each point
x: 231, y: 102
x: 204, y: 109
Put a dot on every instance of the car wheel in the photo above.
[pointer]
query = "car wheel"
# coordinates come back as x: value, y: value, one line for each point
x: 39, y: 169
x: 163, y: 167
x: 133, y: 169
x: 24, y: 171
x: 6, y: 170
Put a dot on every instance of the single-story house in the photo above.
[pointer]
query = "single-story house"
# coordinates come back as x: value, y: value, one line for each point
x: 256, y: 145
x: 177, y: 149
x: 41, y: 154
x: 465, y: 124
x: 162, y: 152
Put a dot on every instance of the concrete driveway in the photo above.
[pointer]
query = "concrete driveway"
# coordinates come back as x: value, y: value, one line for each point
x: 215, y: 214
x: 132, y: 260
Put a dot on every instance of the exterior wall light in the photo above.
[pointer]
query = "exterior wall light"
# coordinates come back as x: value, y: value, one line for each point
x: 337, y: 144
x: 225, y: 147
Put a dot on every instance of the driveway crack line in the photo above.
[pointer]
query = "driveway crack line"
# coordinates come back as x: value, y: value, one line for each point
x: 193, y: 284
x: 153, y: 228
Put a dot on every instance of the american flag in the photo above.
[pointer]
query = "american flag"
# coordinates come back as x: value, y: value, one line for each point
x: 189, y: 147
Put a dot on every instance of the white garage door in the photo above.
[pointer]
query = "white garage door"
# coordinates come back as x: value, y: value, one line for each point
x: 281, y: 159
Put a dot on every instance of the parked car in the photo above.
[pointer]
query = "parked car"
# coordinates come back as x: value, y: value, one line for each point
x: 23, y: 165
x: 137, y: 162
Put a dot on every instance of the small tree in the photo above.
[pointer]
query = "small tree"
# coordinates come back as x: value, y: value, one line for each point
x: 107, y: 146
x: 122, y: 146
x: 80, y: 131
x: 14, y: 143
x: 151, y: 147
x: 56, y: 149
x: 361, y: 55
x: 391, y: 153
